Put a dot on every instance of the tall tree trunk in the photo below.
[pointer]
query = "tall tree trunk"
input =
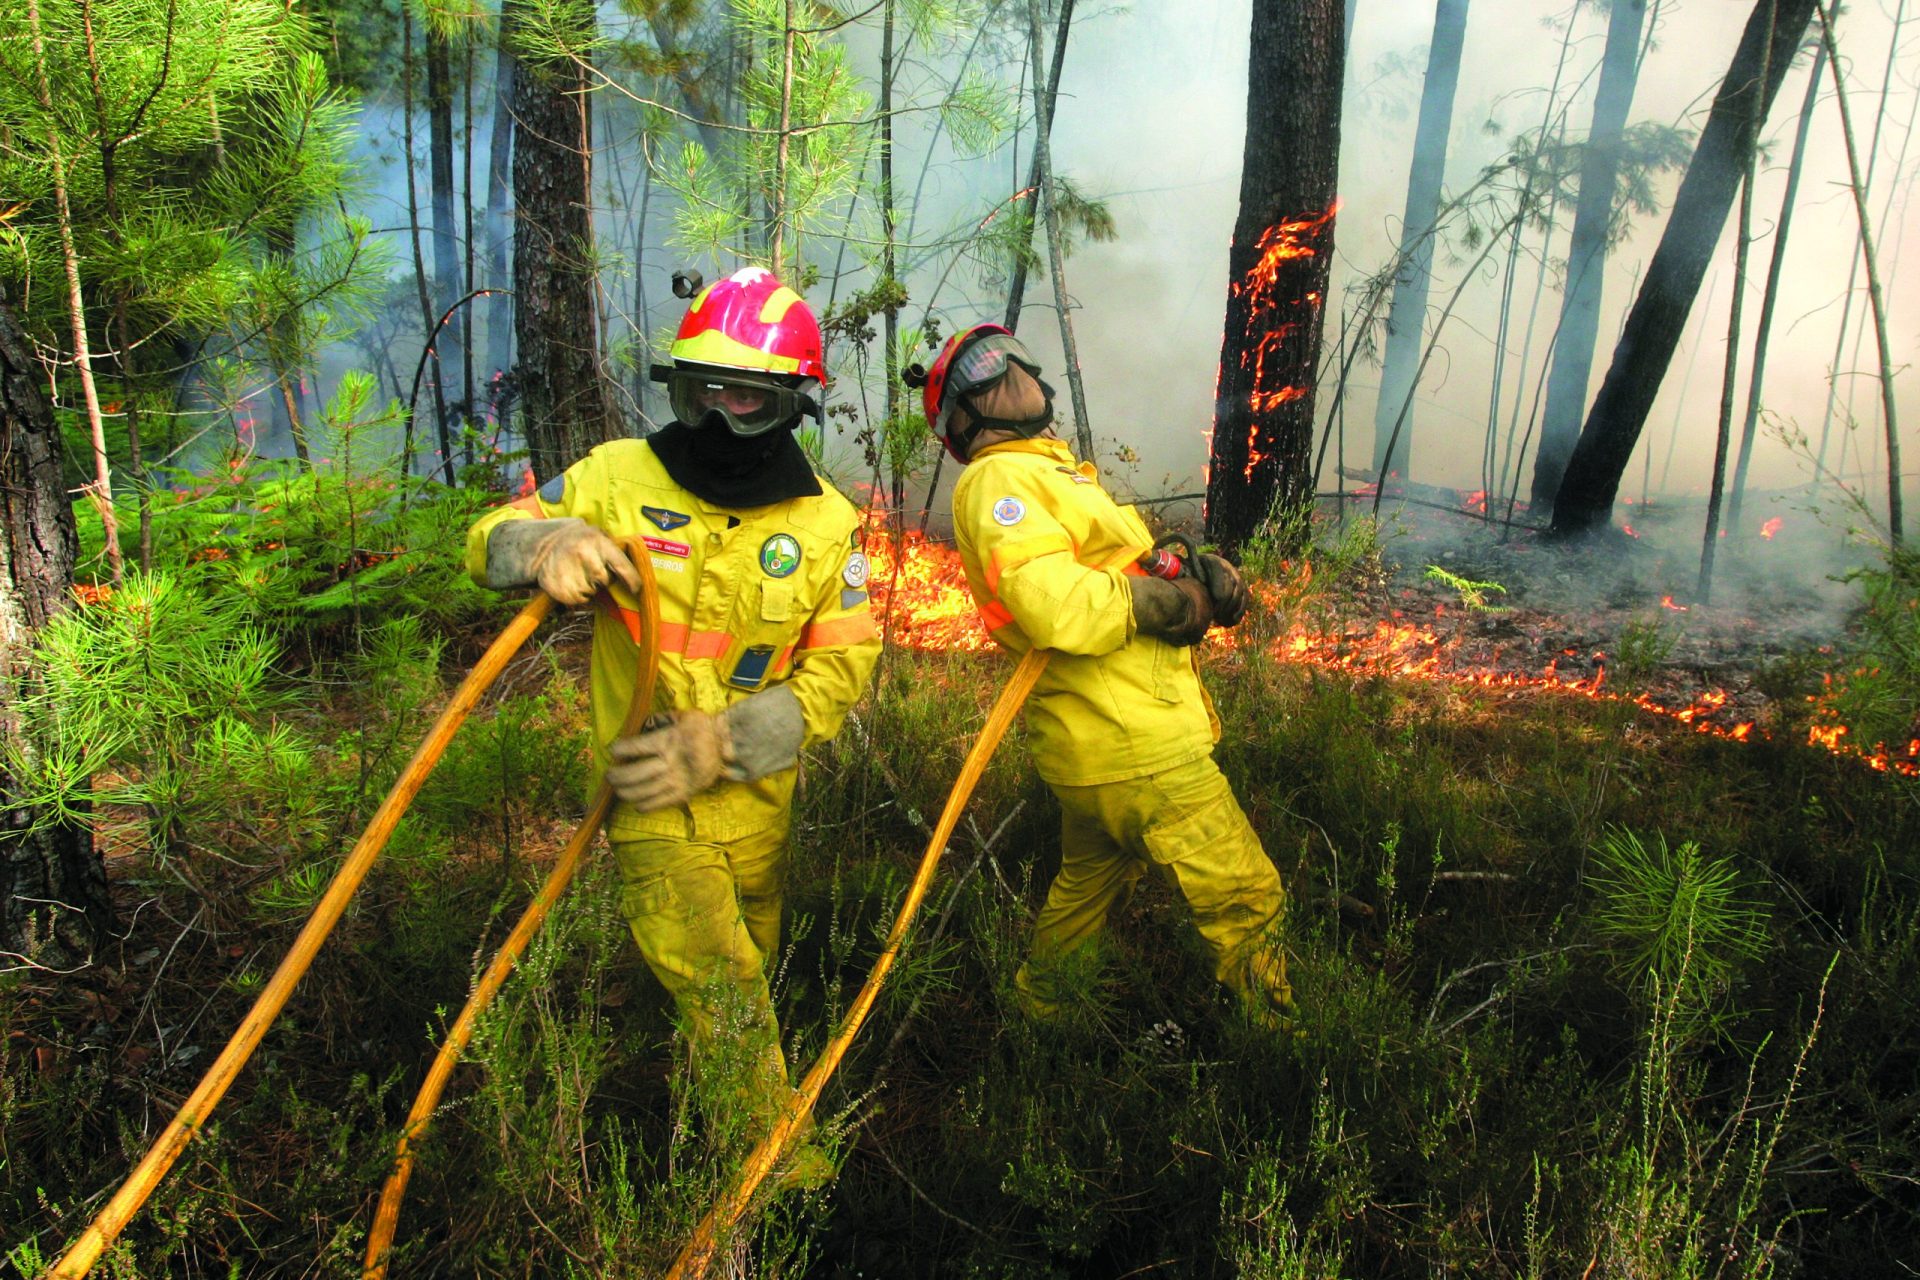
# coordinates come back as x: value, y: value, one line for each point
x: 1587, y: 254
x: 499, y: 198
x: 1723, y: 430
x: 1756, y: 380
x: 1030, y: 205
x: 1278, y: 266
x: 1876, y: 298
x: 1056, y: 243
x: 447, y: 343
x: 1653, y: 327
x: 54, y: 903
x: 428, y: 316
x: 1407, y: 314
x: 563, y: 398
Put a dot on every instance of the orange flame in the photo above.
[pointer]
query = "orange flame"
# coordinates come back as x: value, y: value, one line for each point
x: 1771, y: 527
x: 920, y: 595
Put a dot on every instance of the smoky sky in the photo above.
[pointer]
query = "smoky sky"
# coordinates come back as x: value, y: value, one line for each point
x: 1151, y: 119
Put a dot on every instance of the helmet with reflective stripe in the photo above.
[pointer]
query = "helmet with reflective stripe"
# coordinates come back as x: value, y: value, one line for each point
x: 751, y: 321
x: 972, y: 361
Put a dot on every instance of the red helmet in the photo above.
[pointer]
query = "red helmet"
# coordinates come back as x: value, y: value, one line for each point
x: 747, y: 333
x: 751, y: 321
x: 973, y: 360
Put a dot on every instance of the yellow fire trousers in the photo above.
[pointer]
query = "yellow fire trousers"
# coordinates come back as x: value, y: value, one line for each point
x: 1185, y: 822
x: 706, y: 916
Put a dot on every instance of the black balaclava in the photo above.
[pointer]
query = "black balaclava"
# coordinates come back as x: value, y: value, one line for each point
x: 711, y: 462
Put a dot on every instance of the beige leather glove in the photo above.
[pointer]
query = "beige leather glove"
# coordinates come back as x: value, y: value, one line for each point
x: 565, y: 557
x: 669, y: 765
x: 1178, y: 612
x: 671, y: 762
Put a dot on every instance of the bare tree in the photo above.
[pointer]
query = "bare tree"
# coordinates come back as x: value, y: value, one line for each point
x: 564, y: 403
x: 1654, y: 325
x: 1587, y: 253
x: 1407, y: 315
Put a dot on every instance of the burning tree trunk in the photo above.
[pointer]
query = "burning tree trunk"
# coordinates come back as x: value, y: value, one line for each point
x: 1587, y: 256
x: 1278, y: 266
x: 563, y: 399
x: 1407, y: 316
x: 54, y: 903
x: 1653, y: 328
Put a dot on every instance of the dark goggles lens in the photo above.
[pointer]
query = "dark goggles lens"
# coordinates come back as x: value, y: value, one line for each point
x: 978, y: 366
x: 750, y: 405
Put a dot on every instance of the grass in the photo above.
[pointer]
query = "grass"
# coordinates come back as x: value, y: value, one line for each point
x: 1576, y: 1001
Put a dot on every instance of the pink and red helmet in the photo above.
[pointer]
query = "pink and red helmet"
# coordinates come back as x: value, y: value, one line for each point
x: 748, y: 332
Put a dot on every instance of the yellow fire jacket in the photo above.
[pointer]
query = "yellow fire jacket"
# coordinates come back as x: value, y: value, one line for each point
x: 1047, y: 553
x: 750, y: 597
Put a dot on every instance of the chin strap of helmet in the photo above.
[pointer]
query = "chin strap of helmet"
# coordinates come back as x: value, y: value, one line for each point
x: 1025, y: 427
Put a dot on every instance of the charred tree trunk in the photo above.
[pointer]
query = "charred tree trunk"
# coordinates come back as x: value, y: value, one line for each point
x: 499, y: 196
x: 54, y: 904
x: 1261, y: 457
x: 1587, y: 255
x: 448, y: 271
x: 1653, y: 328
x: 1407, y: 314
x: 564, y: 406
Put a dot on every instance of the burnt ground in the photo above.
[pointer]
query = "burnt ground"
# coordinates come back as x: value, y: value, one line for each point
x: 1621, y: 611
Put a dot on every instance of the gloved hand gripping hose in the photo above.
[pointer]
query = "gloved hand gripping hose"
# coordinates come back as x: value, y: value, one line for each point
x: 198, y: 1108
x: 386, y: 1218
x: 698, y: 1254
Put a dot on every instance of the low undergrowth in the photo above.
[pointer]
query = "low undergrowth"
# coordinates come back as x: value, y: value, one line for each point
x: 1582, y: 994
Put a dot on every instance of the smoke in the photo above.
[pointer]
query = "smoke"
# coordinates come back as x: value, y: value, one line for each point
x: 1151, y: 119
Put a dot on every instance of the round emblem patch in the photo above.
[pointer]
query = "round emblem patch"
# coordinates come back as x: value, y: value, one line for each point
x: 1009, y: 511
x: 780, y: 555
x: 855, y: 574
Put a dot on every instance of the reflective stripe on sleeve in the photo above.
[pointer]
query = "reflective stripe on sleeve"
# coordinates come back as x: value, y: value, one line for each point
x: 852, y: 629
x: 995, y: 615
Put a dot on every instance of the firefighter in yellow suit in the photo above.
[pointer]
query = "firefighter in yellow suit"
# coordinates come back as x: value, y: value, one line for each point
x: 766, y: 643
x: 1119, y: 725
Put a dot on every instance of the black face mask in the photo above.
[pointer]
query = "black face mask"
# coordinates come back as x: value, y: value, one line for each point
x: 713, y: 463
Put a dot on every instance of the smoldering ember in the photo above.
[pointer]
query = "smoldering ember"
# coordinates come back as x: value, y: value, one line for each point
x: 959, y: 638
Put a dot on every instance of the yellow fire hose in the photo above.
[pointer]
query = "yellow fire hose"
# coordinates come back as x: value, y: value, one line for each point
x: 386, y: 1218
x: 194, y: 1113
x: 694, y: 1259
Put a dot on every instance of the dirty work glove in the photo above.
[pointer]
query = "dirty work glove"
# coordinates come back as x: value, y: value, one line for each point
x: 673, y: 760
x: 669, y: 765
x: 1178, y: 612
x: 565, y: 557
x: 1224, y: 589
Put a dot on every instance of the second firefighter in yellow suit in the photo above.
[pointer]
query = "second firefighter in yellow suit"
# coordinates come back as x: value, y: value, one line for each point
x: 1119, y: 725
x: 766, y: 643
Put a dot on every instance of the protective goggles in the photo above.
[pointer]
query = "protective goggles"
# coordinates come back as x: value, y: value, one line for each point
x: 977, y: 366
x: 751, y: 403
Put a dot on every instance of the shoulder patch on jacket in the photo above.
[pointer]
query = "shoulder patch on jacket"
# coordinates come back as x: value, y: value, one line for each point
x: 1009, y: 511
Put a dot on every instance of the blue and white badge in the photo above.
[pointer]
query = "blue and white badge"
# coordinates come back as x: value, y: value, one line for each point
x: 1009, y: 511
x: 855, y: 574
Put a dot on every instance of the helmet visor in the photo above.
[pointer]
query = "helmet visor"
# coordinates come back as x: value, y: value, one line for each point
x: 751, y: 404
x: 978, y: 366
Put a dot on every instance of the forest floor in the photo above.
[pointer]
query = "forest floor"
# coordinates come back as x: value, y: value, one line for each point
x: 1586, y: 990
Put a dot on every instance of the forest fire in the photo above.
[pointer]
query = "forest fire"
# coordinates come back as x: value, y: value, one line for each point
x: 922, y: 599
